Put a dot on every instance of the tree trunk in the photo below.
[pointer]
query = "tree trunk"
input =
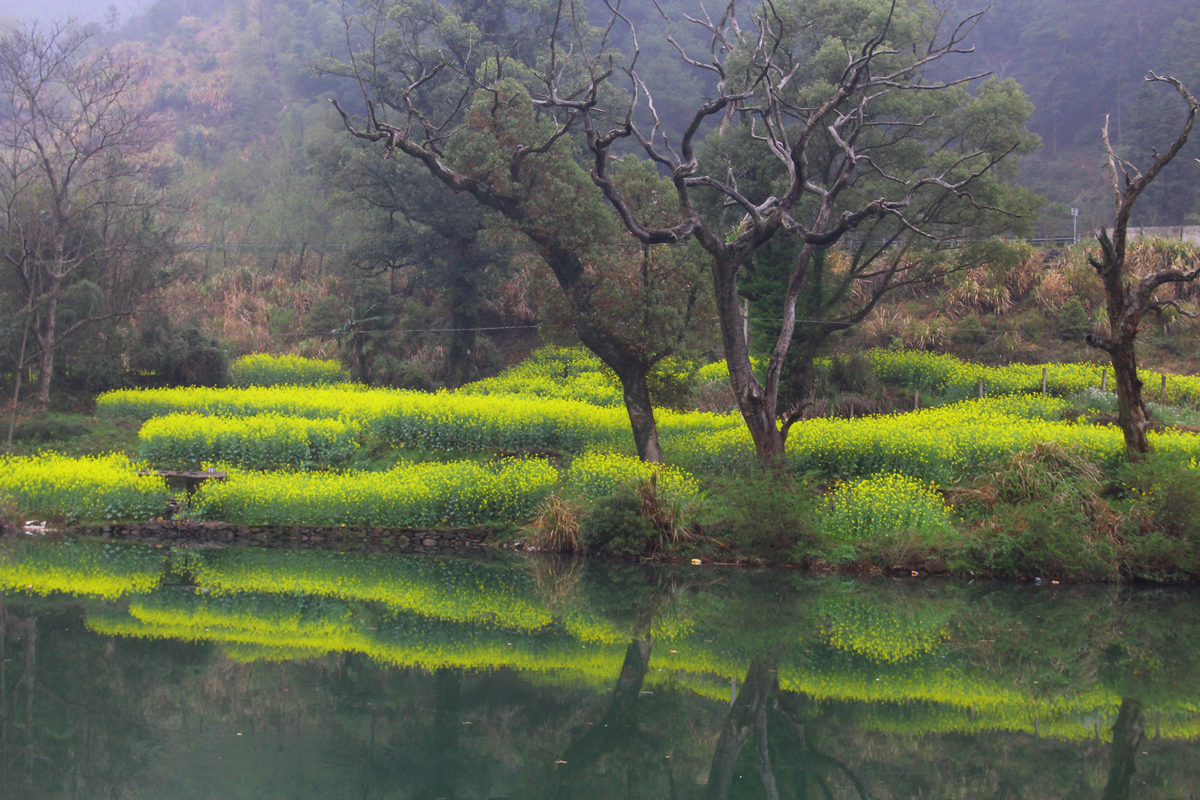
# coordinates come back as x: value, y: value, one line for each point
x: 1131, y: 409
x: 757, y: 408
x: 29, y: 681
x: 636, y: 393
x: 618, y: 723
x: 462, y: 312
x: 16, y: 399
x: 744, y: 717
x: 47, y: 342
x: 1127, y: 740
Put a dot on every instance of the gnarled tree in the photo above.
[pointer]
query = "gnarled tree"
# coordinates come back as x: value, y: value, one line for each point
x: 825, y: 125
x: 821, y: 122
x: 1127, y: 299
x: 469, y: 118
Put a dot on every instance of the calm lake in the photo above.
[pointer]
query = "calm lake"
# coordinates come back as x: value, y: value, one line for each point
x: 132, y: 671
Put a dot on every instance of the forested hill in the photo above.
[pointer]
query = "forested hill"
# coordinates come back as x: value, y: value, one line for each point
x: 1079, y: 60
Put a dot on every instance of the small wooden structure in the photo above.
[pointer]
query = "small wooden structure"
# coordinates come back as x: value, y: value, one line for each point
x: 191, y: 480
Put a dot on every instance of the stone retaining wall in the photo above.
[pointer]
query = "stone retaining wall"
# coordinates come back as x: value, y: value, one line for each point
x: 377, y: 540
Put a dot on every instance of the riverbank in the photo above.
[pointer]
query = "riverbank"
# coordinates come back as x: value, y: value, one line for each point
x: 1016, y: 484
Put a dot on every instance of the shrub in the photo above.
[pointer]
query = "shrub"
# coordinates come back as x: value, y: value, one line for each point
x: 264, y: 369
x: 615, y: 525
x: 1161, y: 528
x: 47, y: 428
x: 762, y: 515
x: 661, y: 500
x: 1073, y: 320
x: 1041, y: 513
x: 184, y: 356
x: 555, y: 526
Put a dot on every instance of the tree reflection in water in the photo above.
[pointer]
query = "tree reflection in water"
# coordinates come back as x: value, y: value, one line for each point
x: 316, y: 676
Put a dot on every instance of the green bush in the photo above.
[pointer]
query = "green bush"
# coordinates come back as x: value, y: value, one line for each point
x: 1040, y: 512
x: 1073, y: 320
x: 47, y: 428
x: 615, y: 525
x: 763, y: 515
x: 184, y: 356
x: 1161, y: 528
x: 1046, y: 537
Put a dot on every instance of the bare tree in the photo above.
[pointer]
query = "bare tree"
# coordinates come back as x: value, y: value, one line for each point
x: 1127, y: 300
x: 71, y: 198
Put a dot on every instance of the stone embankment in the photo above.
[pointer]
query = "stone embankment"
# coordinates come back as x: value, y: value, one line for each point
x: 372, y: 540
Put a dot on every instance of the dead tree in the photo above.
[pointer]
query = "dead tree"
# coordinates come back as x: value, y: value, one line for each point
x: 1128, y: 300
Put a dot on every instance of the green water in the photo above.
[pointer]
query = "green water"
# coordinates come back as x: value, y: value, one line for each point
x: 139, y: 672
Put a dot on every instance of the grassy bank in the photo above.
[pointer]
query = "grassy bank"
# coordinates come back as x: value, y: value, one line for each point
x: 1022, y: 482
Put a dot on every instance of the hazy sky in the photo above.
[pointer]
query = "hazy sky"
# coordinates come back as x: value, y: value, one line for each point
x: 88, y: 10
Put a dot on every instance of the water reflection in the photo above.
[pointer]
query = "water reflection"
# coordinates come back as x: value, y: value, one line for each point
x: 130, y: 671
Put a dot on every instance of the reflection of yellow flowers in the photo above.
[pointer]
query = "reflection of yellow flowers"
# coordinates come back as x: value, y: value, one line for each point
x: 435, y: 612
x: 90, y: 569
x: 885, y: 634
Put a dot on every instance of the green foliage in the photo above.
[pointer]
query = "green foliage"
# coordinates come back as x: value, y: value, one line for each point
x: 1161, y: 528
x: 762, y: 515
x: 48, y: 428
x: 167, y: 355
x: 1041, y: 514
x: 264, y: 369
x: 615, y: 525
x: 1073, y: 320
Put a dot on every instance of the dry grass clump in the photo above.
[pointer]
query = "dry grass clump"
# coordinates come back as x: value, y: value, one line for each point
x: 1053, y: 291
x: 1002, y: 275
x: 555, y: 526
